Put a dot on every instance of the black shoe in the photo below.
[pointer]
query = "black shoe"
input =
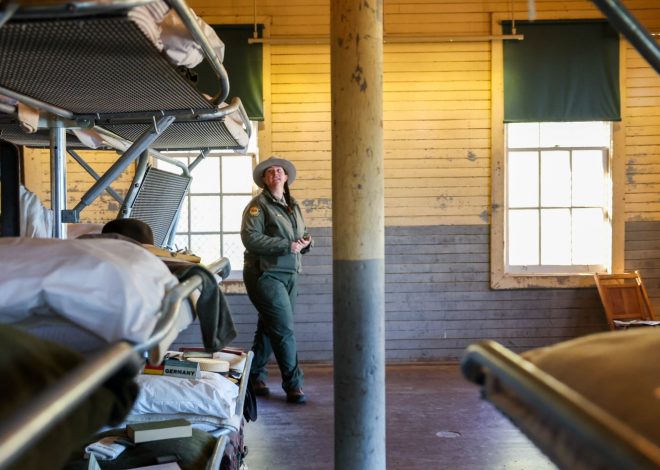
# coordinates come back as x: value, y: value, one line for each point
x: 260, y: 388
x: 296, y: 396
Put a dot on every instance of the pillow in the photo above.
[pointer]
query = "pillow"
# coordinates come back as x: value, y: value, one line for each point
x: 111, y: 287
x: 211, y: 395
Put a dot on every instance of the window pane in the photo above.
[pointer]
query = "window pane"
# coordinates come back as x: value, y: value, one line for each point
x: 237, y: 174
x: 181, y: 242
x: 204, y: 217
x: 182, y: 225
x: 523, y: 237
x: 232, y: 212
x: 555, y: 179
x: 206, y: 176
x: 556, y: 236
x: 522, y: 135
x: 523, y: 180
x: 233, y: 249
x: 166, y: 166
x: 589, y: 235
x: 588, y: 178
x: 206, y: 247
x: 575, y: 134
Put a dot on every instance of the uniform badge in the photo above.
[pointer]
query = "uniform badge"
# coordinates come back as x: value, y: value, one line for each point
x: 254, y: 211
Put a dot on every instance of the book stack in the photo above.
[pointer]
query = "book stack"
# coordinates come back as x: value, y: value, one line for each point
x: 210, y: 364
x: 229, y: 362
x: 159, y: 430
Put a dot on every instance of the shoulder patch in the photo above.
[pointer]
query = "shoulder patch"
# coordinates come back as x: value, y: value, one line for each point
x: 254, y: 211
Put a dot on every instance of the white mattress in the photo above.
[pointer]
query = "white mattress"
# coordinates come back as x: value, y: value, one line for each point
x: 110, y: 288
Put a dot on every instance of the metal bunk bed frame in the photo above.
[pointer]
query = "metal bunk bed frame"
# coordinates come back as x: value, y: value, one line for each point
x: 553, y: 415
x: 30, y: 423
x: 148, y: 127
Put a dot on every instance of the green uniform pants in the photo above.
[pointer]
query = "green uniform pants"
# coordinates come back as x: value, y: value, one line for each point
x: 274, y: 294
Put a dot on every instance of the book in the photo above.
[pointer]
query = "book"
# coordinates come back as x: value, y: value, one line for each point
x: 159, y: 430
x: 210, y: 364
x: 159, y: 466
x: 186, y: 354
x: 181, y: 368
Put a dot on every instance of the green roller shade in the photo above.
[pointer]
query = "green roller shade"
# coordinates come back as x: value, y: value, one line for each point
x: 243, y: 63
x: 562, y: 71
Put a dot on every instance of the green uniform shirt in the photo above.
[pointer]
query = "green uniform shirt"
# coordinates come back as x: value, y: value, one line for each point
x: 267, y: 231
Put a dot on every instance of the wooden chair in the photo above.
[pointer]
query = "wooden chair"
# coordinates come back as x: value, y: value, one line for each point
x: 624, y: 298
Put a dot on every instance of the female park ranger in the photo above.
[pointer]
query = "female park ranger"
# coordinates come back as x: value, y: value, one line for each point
x: 273, y: 232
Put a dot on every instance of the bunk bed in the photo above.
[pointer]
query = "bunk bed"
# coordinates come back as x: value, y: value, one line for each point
x: 104, y: 75
x: 107, y: 75
x: 131, y: 308
x: 591, y: 402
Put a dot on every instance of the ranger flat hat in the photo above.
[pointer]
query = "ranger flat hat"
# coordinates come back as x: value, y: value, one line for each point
x: 258, y: 173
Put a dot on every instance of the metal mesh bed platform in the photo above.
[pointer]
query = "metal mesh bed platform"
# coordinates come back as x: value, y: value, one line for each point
x: 12, y: 132
x: 92, y: 66
x: 76, y: 74
x: 102, y: 69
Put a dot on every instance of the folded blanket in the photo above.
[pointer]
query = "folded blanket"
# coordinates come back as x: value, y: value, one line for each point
x: 215, y: 318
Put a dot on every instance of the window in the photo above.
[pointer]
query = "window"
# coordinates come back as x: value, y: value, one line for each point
x: 558, y: 197
x: 558, y: 147
x: 210, y: 219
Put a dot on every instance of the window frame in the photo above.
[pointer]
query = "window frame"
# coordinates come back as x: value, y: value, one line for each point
x: 499, y: 277
x: 564, y: 269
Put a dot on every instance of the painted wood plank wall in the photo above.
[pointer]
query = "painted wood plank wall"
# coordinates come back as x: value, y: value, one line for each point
x: 643, y: 254
x: 437, y: 104
x: 642, y: 138
x: 104, y: 208
x: 437, y: 300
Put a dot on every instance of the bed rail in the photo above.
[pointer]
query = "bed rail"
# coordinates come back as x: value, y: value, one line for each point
x: 173, y: 299
x: 25, y: 427
x: 218, y: 453
x: 242, y: 390
x: 190, y: 21
x: 520, y: 390
x: 627, y: 25
x: 29, y: 424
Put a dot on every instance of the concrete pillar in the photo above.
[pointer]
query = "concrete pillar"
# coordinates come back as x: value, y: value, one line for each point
x: 358, y: 233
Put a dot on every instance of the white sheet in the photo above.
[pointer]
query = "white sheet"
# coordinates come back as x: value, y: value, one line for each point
x: 235, y: 127
x: 212, y: 396
x: 168, y: 33
x: 111, y: 287
x: 36, y: 219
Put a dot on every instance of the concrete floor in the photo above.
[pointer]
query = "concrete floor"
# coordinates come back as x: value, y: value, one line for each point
x: 435, y: 420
